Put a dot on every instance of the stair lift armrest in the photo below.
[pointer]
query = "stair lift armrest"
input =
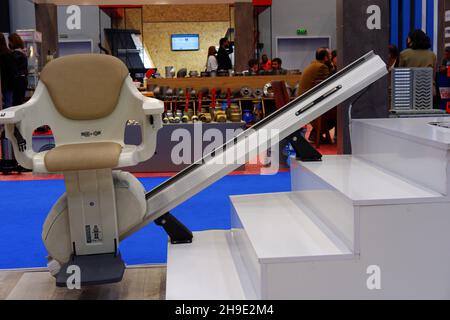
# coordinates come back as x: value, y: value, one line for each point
x: 12, y: 115
x: 152, y: 106
x: 20, y: 123
x: 153, y: 110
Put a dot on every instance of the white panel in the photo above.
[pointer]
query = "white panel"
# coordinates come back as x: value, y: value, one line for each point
x: 203, y: 270
x: 365, y: 184
x: 410, y: 148
x: 298, y: 52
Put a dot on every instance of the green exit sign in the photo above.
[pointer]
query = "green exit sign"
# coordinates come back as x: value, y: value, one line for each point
x: 302, y: 32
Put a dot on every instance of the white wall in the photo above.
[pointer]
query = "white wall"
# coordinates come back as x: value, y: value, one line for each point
x: 317, y: 16
x: 22, y: 15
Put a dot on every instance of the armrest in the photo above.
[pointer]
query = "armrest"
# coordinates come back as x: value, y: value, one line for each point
x: 20, y: 122
x: 13, y: 115
x: 153, y: 110
x: 152, y: 106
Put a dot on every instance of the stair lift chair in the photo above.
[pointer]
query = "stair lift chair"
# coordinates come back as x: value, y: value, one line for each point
x: 87, y: 100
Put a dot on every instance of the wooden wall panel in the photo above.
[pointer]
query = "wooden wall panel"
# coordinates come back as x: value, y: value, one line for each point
x: 157, y: 40
x: 133, y: 18
x: 245, y: 35
x: 186, y: 13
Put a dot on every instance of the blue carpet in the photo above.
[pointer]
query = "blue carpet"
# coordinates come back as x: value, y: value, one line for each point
x: 24, y: 206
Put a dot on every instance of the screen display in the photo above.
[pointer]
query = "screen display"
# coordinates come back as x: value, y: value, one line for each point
x: 185, y: 42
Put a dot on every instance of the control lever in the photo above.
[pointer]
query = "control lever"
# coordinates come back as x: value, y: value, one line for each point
x: 21, y: 142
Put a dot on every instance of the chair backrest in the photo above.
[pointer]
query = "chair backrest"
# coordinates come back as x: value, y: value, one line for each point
x: 85, y: 87
x: 86, y: 98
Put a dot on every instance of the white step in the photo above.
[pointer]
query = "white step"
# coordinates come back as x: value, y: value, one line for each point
x: 411, y: 148
x: 205, y: 270
x: 362, y: 183
x: 273, y: 230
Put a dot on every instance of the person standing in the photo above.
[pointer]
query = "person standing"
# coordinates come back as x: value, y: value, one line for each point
x: 314, y: 74
x: 418, y: 54
x: 17, y: 46
x: 223, y: 56
x: 7, y: 73
x: 211, y: 64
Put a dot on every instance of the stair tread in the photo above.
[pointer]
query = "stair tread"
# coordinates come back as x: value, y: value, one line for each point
x: 203, y: 270
x: 281, y: 231
x: 366, y: 184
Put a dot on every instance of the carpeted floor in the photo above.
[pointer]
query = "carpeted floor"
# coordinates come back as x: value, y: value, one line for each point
x: 24, y: 206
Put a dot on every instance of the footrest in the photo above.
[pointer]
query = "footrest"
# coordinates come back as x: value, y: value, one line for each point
x: 94, y: 269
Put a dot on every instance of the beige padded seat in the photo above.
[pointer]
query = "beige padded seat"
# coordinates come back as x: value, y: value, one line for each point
x: 85, y: 86
x: 86, y: 156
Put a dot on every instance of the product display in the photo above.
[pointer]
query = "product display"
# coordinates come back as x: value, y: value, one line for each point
x: 224, y: 151
x: 350, y: 80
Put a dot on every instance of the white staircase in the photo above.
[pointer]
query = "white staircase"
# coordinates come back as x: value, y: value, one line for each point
x: 346, y: 216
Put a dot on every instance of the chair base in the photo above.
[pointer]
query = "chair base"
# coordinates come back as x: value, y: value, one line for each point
x: 94, y: 269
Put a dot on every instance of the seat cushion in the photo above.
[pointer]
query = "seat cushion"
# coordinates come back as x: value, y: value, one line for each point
x: 86, y: 156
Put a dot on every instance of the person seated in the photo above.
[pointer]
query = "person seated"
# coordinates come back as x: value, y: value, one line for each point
x: 253, y: 67
x: 316, y: 72
x: 266, y: 63
x: 276, y: 67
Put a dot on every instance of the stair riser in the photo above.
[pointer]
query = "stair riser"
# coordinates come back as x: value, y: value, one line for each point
x: 338, y: 214
x: 422, y: 163
x: 242, y: 248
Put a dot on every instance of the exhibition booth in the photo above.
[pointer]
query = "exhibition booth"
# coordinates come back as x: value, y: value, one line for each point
x: 134, y: 169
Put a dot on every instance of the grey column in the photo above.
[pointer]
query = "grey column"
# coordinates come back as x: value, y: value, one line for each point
x: 354, y: 39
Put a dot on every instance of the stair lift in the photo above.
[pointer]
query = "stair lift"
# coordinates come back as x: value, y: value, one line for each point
x: 86, y: 100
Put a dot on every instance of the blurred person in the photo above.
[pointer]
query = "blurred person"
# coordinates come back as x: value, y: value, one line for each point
x: 418, y: 54
x: 7, y: 69
x: 253, y: 66
x: 393, y: 60
x: 211, y: 63
x: 314, y: 74
x: 266, y: 63
x: 223, y: 56
x: 333, y: 62
x: 277, y: 66
x: 17, y: 46
x: 446, y: 62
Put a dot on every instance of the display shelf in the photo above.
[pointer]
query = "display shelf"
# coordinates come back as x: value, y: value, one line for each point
x: 234, y: 83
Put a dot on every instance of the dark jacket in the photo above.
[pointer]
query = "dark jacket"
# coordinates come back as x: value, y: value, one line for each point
x: 8, y: 71
x: 21, y: 62
x: 223, y: 59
